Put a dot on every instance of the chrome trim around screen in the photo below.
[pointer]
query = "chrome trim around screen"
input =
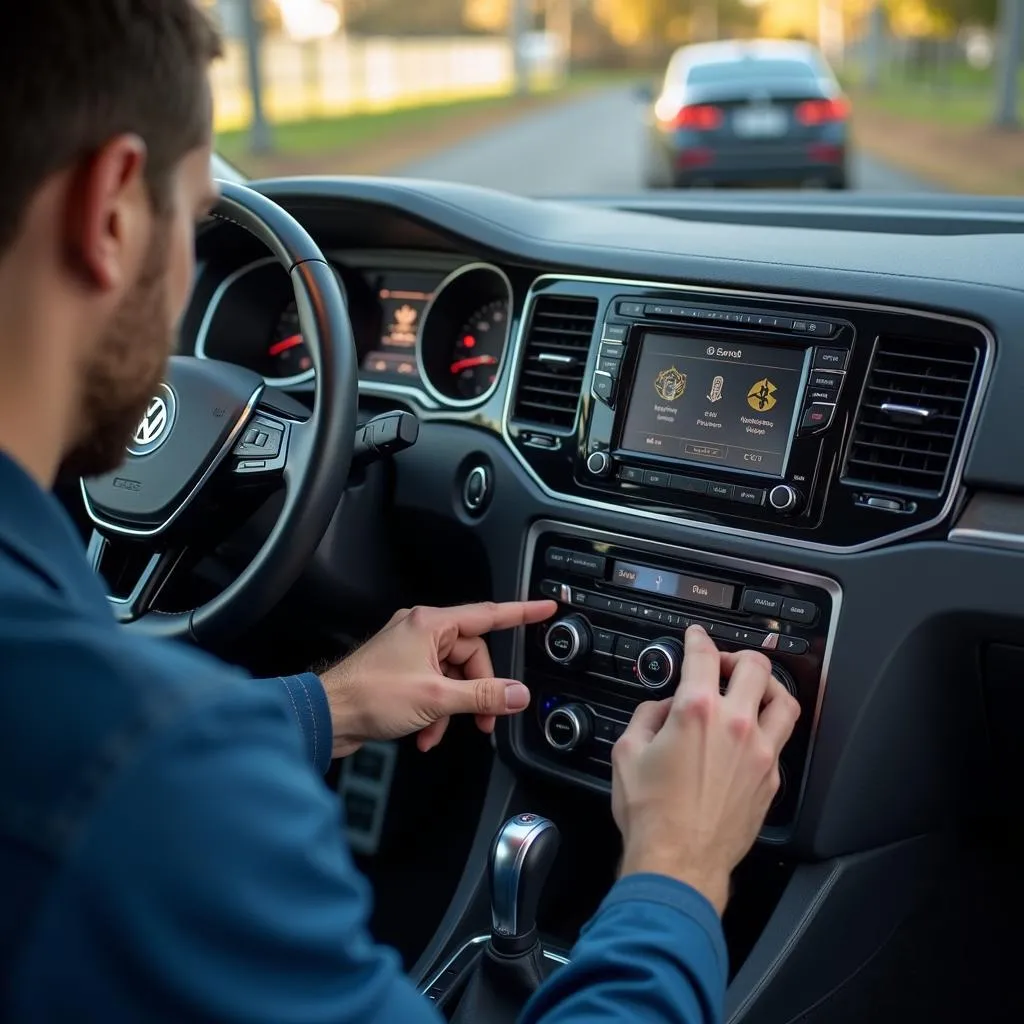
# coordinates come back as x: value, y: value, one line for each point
x: 956, y: 476
x: 783, y: 573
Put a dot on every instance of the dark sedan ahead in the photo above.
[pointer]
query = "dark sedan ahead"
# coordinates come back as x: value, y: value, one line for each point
x: 761, y: 112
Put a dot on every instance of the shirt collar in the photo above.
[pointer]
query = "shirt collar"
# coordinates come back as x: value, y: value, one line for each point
x: 37, y: 529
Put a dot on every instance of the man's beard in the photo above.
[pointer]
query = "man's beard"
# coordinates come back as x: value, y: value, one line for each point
x: 125, y: 369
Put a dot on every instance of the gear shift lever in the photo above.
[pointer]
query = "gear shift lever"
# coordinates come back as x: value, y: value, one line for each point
x: 512, y: 966
x: 521, y: 857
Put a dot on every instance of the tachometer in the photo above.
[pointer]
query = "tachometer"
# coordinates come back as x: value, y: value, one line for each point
x: 478, y: 349
x: 287, y: 354
x: 464, y: 334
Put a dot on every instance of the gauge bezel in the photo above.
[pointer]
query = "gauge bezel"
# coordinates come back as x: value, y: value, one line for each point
x: 423, y: 338
x: 218, y: 296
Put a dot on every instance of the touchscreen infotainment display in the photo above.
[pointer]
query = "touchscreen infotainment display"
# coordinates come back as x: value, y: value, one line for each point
x: 712, y: 402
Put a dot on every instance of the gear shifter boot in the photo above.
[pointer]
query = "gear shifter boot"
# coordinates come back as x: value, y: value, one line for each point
x: 500, y: 986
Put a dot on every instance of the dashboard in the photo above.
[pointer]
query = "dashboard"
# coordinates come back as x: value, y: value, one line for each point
x: 792, y: 419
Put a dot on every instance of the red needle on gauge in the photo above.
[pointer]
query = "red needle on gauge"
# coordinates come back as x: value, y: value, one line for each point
x: 284, y: 344
x: 465, y: 364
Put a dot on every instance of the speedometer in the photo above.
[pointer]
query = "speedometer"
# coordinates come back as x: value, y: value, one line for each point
x: 464, y: 335
x: 478, y: 349
x: 287, y: 354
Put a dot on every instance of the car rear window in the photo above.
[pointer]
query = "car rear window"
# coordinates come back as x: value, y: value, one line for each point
x: 748, y: 70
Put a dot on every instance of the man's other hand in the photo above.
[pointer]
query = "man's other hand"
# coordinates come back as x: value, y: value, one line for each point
x: 424, y: 666
x: 694, y: 775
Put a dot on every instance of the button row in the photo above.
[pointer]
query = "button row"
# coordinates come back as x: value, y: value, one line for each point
x: 692, y: 485
x: 674, y: 311
x: 607, y: 642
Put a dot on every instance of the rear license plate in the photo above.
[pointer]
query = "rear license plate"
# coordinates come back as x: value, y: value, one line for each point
x: 759, y: 122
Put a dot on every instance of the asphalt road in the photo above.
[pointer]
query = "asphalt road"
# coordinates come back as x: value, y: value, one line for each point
x: 587, y: 147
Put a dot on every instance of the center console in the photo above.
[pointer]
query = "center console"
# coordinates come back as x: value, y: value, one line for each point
x: 624, y: 605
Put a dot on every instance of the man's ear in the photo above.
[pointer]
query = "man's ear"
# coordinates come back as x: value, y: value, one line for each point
x: 110, y: 214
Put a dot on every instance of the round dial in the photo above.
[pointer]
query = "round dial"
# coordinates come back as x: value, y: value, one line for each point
x: 286, y: 353
x: 478, y: 348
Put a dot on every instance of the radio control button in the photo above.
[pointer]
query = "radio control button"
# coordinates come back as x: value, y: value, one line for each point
x: 606, y: 365
x: 660, y: 663
x: 724, y: 491
x: 614, y: 332
x: 568, y: 640
x: 551, y: 589
x: 749, y: 495
x: 599, y: 463
x: 828, y: 395
x: 604, y: 641
x: 603, y: 386
x: 795, y: 610
x: 631, y: 309
x: 817, y: 417
x: 631, y: 475
x: 792, y: 645
x: 627, y: 647
x: 830, y: 359
x: 826, y: 379
x: 690, y: 484
x: 609, y: 351
x: 760, y: 603
x: 653, y: 614
x: 784, y: 498
x: 656, y: 478
x: 557, y: 558
x: 568, y: 726
x: 587, y: 564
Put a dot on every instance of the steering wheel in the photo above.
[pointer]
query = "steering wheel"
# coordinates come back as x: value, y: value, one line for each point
x: 213, y: 427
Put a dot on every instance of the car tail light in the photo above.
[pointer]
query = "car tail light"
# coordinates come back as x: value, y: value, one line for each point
x: 812, y: 112
x: 700, y: 117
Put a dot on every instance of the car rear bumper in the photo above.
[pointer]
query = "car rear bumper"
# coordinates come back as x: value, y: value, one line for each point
x: 790, y: 162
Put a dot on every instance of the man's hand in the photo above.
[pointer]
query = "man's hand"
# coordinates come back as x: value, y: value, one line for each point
x: 425, y: 665
x: 694, y: 775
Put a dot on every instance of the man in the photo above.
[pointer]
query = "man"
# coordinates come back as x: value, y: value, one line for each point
x: 167, y: 851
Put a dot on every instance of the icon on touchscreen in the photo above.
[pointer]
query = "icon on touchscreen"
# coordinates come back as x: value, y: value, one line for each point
x: 761, y: 397
x: 715, y: 394
x: 670, y: 384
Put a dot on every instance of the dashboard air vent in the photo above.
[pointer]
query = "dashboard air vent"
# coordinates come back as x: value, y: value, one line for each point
x: 911, y: 415
x: 554, y: 359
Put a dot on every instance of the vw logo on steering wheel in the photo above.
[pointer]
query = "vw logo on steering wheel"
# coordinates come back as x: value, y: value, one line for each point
x: 155, y: 426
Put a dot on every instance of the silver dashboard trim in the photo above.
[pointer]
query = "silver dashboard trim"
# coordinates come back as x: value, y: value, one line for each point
x: 479, y: 940
x: 211, y: 308
x: 956, y: 475
x: 784, y: 573
x: 987, y: 538
x: 229, y: 443
x: 438, y: 396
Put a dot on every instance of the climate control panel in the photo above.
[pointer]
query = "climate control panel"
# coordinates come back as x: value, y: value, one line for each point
x: 618, y: 640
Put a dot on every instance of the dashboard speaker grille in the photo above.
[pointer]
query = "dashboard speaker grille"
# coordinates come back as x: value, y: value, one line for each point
x: 911, y: 415
x: 554, y: 359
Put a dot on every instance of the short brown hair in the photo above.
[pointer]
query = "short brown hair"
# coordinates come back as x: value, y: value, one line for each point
x: 76, y: 73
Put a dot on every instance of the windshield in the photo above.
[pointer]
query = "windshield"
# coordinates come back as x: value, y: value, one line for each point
x: 619, y: 97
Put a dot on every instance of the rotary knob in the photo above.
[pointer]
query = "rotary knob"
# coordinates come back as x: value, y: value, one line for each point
x: 660, y: 663
x: 784, y: 498
x: 785, y: 678
x: 599, y: 464
x: 568, y: 640
x: 567, y: 727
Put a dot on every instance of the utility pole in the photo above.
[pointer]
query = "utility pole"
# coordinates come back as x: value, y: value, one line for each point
x: 517, y: 18
x: 259, y: 130
x: 1011, y: 38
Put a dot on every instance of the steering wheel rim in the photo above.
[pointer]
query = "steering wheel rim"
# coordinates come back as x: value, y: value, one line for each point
x: 321, y: 447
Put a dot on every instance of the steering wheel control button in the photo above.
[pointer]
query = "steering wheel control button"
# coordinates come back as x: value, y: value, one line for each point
x: 599, y: 463
x: 660, y: 663
x: 760, y: 603
x: 568, y: 726
x: 830, y: 358
x: 261, y: 441
x: 799, y: 611
x: 792, y: 645
x: 476, y: 491
x: 568, y: 640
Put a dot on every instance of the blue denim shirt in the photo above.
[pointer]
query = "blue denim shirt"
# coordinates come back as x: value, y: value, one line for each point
x: 168, y: 851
